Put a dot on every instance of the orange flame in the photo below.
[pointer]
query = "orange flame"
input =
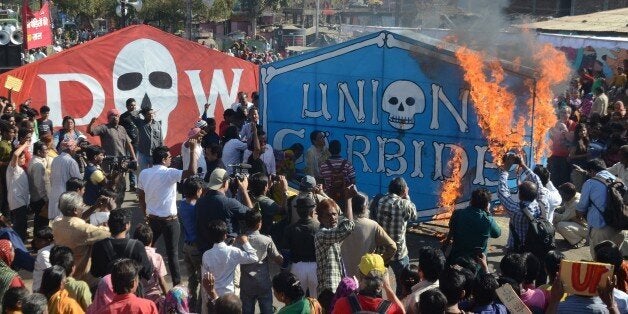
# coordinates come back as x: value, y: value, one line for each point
x: 494, y: 104
x: 554, y: 70
x: 452, y: 187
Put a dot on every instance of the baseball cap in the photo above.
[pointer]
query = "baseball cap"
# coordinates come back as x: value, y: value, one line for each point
x: 305, y: 202
x: 217, y: 178
x: 372, y: 262
x: 307, y: 183
x: 200, y: 124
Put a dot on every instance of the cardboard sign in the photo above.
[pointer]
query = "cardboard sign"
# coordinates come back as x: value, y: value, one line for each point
x: 13, y: 84
x: 511, y: 300
x: 584, y: 278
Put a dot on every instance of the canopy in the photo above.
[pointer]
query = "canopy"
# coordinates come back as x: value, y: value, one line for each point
x: 174, y: 76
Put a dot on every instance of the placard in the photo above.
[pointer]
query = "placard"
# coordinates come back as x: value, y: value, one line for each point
x: 584, y: 278
x: 13, y: 83
x: 511, y: 300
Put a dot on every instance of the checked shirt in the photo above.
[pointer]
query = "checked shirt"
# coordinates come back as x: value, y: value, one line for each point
x: 328, y: 258
x: 393, y: 214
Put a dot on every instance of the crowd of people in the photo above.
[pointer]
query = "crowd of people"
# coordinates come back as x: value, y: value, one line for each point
x: 247, y: 237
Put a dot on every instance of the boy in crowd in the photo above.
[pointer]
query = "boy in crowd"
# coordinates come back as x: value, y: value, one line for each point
x: 192, y: 189
x: 155, y: 287
x: 255, y: 283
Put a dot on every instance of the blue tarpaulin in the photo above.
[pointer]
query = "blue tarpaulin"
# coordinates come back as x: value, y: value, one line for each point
x: 397, y: 104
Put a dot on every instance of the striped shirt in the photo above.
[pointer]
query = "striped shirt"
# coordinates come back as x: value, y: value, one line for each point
x: 393, y: 214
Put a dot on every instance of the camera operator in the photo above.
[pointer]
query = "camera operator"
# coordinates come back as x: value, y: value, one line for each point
x: 215, y: 205
x: 260, y: 185
x: 157, y: 193
x: 95, y: 178
x: 115, y: 142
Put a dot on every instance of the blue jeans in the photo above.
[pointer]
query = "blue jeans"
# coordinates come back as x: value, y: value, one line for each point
x: 143, y: 162
x: 397, y: 267
x: 265, y: 299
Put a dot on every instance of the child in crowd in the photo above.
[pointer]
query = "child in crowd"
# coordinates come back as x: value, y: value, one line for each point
x: 155, y: 288
x: 43, y: 243
x: 75, y: 185
x: 192, y: 189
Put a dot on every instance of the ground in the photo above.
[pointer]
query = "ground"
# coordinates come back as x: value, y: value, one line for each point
x: 420, y: 236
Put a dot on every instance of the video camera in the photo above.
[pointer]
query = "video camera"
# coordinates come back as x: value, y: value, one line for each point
x: 240, y: 171
x: 119, y: 164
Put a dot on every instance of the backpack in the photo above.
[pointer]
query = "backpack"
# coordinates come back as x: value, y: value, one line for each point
x: 357, y: 309
x: 337, y: 184
x: 615, y: 211
x: 539, y: 238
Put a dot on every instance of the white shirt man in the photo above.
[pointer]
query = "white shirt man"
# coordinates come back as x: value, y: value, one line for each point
x: 63, y: 168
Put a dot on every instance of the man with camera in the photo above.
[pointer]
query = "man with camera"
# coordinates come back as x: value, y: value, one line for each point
x: 215, y: 205
x: 157, y: 193
x: 115, y: 142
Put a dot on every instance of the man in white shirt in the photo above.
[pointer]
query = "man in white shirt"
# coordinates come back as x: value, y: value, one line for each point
x: 63, y: 168
x: 157, y: 193
x: 553, y: 196
x: 222, y: 259
x: 620, y: 169
x: 18, y: 195
x: 37, y: 184
x: 242, y: 103
x: 267, y: 154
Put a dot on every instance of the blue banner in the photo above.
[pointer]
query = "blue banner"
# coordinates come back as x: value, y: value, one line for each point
x: 398, y: 105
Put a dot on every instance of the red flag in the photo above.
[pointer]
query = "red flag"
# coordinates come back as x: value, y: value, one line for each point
x: 36, y: 26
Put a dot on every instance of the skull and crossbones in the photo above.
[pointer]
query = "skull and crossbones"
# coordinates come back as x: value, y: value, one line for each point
x: 402, y: 101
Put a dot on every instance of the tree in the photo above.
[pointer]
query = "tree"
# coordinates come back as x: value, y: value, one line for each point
x: 254, y: 8
x: 91, y: 9
x: 220, y: 11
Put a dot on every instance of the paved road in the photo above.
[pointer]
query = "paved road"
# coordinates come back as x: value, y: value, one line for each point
x: 423, y: 236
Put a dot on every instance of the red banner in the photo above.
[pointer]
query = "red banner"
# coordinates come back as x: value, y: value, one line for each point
x: 176, y: 77
x: 36, y: 26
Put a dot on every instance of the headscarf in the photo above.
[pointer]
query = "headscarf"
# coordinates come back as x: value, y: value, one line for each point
x: 6, y: 259
x: 176, y: 301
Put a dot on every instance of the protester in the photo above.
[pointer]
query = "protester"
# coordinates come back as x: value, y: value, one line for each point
x: 316, y: 154
x: 367, y: 237
x: 192, y: 189
x: 471, y: 227
x: 336, y: 173
x: 68, y: 132
x: 394, y: 210
x: 431, y: 266
x: 8, y: 277
x: 124, y: 279
x: 155, y: 288
x: 149, y: 137
x: 13, y: 298
x: 255, y: 282
x: 37, y: 178
x: 18, y: 193
x: 53, y: 287
x: 299, y: 240
x: 288, y: 290
x: 566, y: 220
x: 77, y: 289
x: 157, y: 194
x: 78, y: 235
x: 35, y: 303
x: 63, y: 168
x: 44, y: 241
x: 327, y: 241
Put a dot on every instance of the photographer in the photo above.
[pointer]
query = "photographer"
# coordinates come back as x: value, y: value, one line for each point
x: 215, y: 205
x: 260, y: 184
x: 115, y: 142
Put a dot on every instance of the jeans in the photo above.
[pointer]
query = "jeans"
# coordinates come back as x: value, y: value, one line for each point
x: 171, y: 231
x: 192, y: 259
x: 19, y: 217
x: 265, y: 299
x: 39, y: 221
x: 131, y: 179
x: 397, y: 267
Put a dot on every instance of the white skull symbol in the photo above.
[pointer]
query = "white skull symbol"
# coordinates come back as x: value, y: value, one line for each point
x: 402, y: 101
x: 145, y: 70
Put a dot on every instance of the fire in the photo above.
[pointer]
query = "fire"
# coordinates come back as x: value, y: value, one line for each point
x: 494, y: 104
x: 452, y: 187
x: 553, y: 70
